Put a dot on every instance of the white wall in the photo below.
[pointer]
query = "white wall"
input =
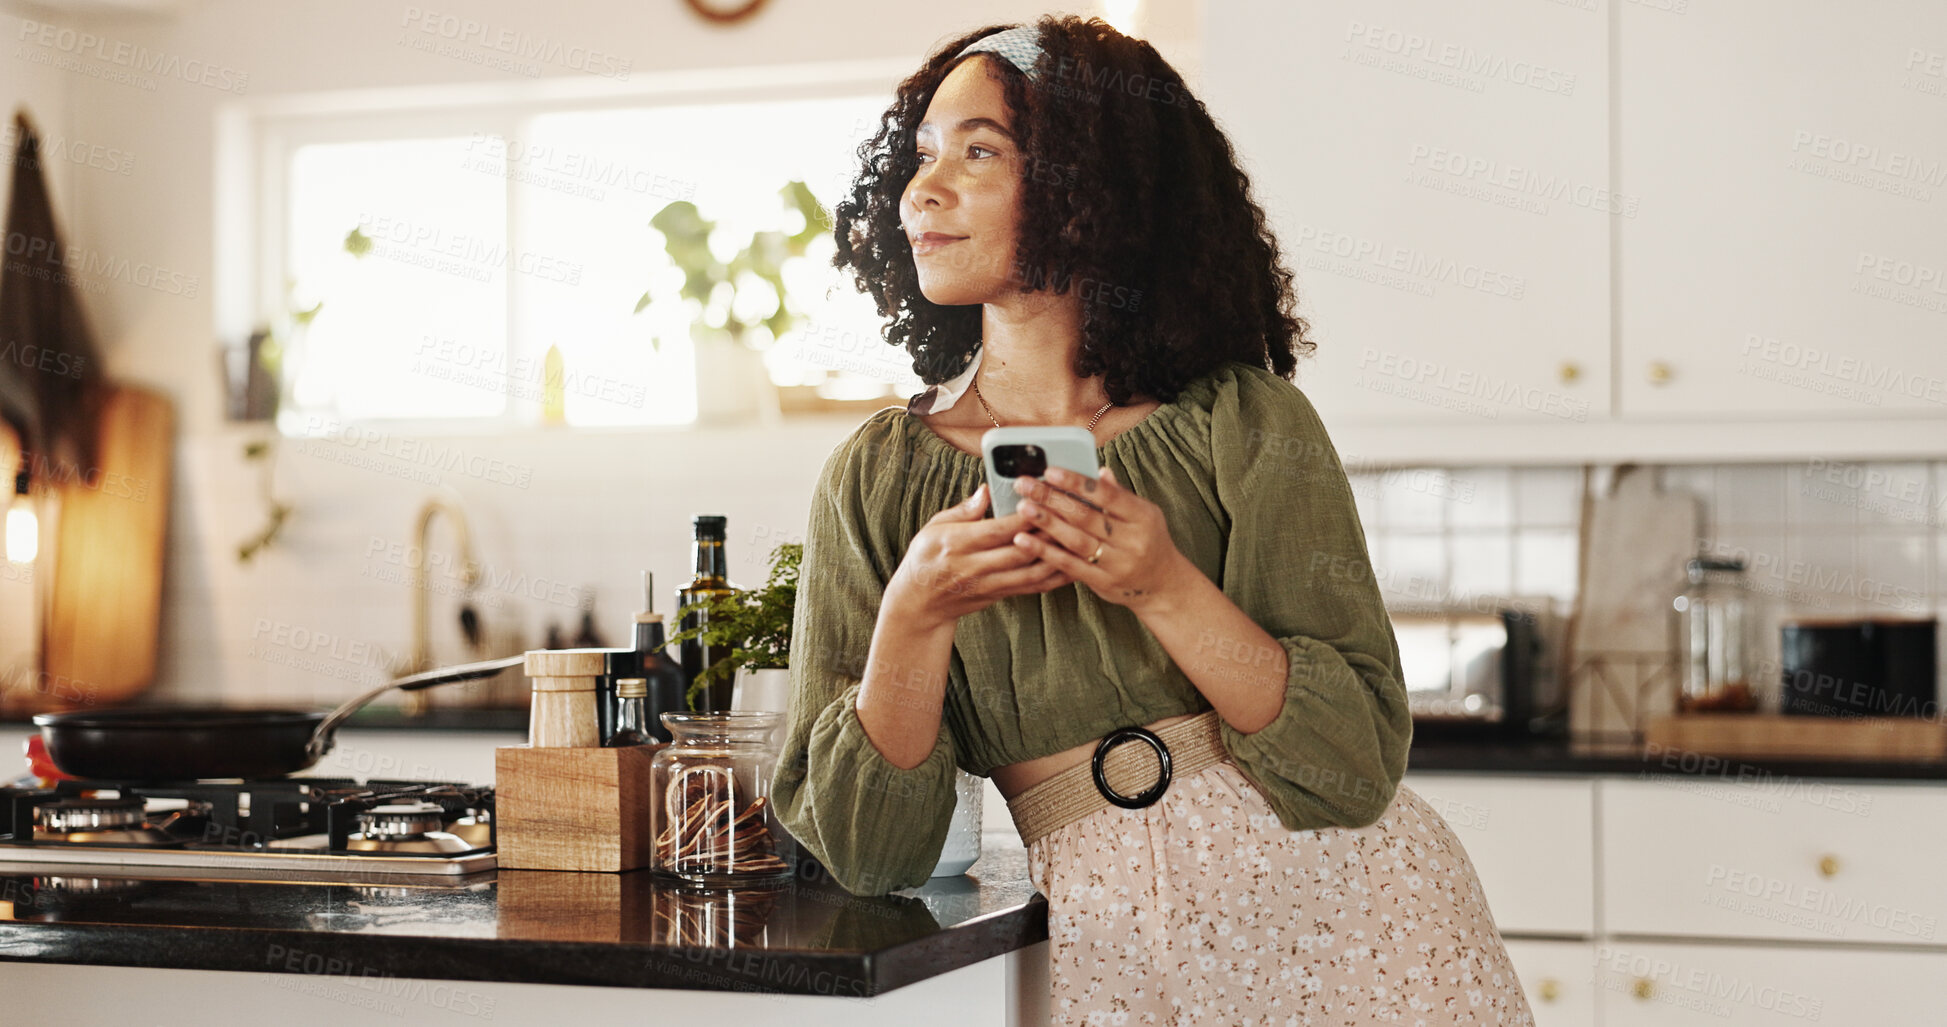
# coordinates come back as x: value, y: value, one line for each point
x: 600, y: 506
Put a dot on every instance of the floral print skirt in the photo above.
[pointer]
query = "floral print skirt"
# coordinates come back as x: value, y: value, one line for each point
x: 1204, y: 909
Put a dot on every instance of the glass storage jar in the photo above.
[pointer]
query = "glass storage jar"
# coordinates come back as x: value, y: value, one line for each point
x: 710, y: 810
x: 1713, y: 639
x: 692, y: 916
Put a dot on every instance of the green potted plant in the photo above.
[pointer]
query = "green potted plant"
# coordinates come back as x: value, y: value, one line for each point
x: 752, y: 628
x: 742, y: 304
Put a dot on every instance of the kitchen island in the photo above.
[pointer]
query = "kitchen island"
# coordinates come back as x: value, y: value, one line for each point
x: 527, y: 947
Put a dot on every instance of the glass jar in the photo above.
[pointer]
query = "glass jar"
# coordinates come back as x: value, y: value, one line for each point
x: 710, y: 810
x: 1712, y: 639
x: 693, y: 916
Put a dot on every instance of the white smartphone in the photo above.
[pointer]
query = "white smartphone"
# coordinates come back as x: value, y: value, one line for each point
x: 1031, y: 450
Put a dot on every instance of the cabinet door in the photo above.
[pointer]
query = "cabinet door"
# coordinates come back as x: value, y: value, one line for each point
x: 1557, y: 977
x: 1785, y: 858
x: 1437, y: 176
x: 1668, y: 985
x: 1787, y: 256
x: 1531, y: 841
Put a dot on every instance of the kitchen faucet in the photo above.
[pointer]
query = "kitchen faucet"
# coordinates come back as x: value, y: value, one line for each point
x: 421, y: 657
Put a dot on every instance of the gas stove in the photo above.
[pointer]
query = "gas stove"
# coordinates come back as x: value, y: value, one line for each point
x: 321, y: 830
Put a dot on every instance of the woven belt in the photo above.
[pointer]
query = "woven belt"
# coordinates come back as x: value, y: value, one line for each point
x: 1137, y: 775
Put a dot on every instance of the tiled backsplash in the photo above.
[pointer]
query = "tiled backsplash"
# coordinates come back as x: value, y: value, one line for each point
x: 1440, y: 532
x: 1817, y: 537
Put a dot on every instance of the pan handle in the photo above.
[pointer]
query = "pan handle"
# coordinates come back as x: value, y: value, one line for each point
x: 322, y: 738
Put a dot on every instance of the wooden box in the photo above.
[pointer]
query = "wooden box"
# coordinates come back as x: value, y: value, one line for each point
x: 535, y: 905
x: 572, y: 808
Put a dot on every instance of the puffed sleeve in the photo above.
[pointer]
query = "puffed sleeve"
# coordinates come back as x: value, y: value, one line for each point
x: 875, y: 826
x: 1296, y: 562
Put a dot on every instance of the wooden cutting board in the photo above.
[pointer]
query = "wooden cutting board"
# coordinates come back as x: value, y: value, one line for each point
x: 1636, y: 541
x: 105, y: 607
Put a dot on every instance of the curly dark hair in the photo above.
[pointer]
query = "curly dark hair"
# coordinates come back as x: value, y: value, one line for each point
x: 1147, y: 196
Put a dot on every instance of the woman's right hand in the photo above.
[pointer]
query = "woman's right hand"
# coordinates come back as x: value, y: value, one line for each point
x: 960, y: 563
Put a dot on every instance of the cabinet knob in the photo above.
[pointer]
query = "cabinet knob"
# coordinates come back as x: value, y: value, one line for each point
x: 1550, y: 990
x: 1644, y: 988
x: 1569, y: 371
x: 1828, y: 865
x: 1661, y: 373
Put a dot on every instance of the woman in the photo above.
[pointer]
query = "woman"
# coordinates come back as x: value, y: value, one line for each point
x: 1061, y: 235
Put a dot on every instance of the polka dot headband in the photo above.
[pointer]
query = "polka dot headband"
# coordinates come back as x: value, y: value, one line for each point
x: 1021, y: 46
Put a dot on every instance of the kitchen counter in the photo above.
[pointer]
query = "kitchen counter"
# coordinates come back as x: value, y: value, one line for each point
x: 361, y: 754
x: 805, y: 937
x: 1576, y: 756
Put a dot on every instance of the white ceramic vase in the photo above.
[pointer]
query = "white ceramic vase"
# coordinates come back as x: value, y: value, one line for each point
x: 769, y: 690
x: 733, y: 384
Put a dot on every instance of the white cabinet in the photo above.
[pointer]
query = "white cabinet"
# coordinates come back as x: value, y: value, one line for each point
x: 1670, y: 985
x: 1733, y: 253
x: 1672, y: 900
x: 1789, y: 255
x: 1437, y: 176
x: 1558, y: 978
x: 1531, y: 841
x: 1791, y: 859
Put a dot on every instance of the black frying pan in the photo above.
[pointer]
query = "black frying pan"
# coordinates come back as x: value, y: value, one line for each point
x: 190, y: 743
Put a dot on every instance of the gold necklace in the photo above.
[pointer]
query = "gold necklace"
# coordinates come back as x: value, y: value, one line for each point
x: 997, y: 422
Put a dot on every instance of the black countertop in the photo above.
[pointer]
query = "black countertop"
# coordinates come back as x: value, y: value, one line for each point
x: 807, y: 936
x: 1583, y: 756
x: 1434, y: 749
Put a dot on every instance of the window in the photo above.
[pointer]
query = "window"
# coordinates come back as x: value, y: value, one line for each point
x: 429, y: 280
x: 458, y: 258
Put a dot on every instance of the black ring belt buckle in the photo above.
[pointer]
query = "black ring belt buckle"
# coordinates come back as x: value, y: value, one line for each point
x: 1149, y: 795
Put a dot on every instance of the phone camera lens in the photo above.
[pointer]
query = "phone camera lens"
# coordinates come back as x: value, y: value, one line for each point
x: 1015, y: 461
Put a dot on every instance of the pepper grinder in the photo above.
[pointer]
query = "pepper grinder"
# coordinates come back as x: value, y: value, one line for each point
x: 562, y: 714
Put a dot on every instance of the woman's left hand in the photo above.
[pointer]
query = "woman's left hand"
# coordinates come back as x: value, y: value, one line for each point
x: 1138, y: 560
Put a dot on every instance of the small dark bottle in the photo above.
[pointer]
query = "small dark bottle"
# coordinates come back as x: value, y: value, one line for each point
x: 667, y: 684
x: 631, y: 714
x: 622, y: 663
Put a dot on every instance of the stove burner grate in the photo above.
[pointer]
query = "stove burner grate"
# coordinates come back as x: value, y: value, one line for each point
x: 313, y: 815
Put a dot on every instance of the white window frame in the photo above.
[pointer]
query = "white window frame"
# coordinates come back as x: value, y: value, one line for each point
x: 257, y: 138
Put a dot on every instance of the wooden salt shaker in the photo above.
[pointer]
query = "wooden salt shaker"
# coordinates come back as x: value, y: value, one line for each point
x: 562, y: 715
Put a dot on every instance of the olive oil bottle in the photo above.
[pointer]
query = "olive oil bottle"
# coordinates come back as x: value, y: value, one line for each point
x: 712, y: 580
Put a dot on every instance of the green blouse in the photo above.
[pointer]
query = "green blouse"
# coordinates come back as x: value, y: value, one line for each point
x: 1255, y: 497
